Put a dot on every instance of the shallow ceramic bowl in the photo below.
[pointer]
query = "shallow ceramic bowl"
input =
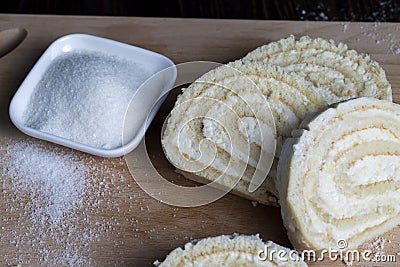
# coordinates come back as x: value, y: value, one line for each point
x: 144, y: 105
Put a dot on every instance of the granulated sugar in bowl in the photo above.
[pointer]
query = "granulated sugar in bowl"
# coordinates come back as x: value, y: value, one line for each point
x: 78, y: 94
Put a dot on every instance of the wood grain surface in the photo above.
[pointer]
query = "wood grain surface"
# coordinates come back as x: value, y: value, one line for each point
x: 143, y: 228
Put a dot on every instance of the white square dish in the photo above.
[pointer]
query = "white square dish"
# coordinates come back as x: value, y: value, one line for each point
x: 145, y: 103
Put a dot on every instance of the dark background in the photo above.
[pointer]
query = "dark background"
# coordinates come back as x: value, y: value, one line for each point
x: 339, y: 10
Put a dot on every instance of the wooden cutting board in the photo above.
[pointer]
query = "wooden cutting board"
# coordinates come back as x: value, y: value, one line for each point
x: 141, y: 228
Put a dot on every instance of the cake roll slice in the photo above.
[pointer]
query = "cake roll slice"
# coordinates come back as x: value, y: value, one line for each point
x: 339, y: 176
x: 235, y: 250
x: 342, y: 73
x: 228, y: 124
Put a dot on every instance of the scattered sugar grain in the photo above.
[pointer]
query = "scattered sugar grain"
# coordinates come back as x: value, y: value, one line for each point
x: 345, y: 25
x: 54, y: 198
x: 53, y: 178
x: 92, y: 219
x: 377, y: 247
